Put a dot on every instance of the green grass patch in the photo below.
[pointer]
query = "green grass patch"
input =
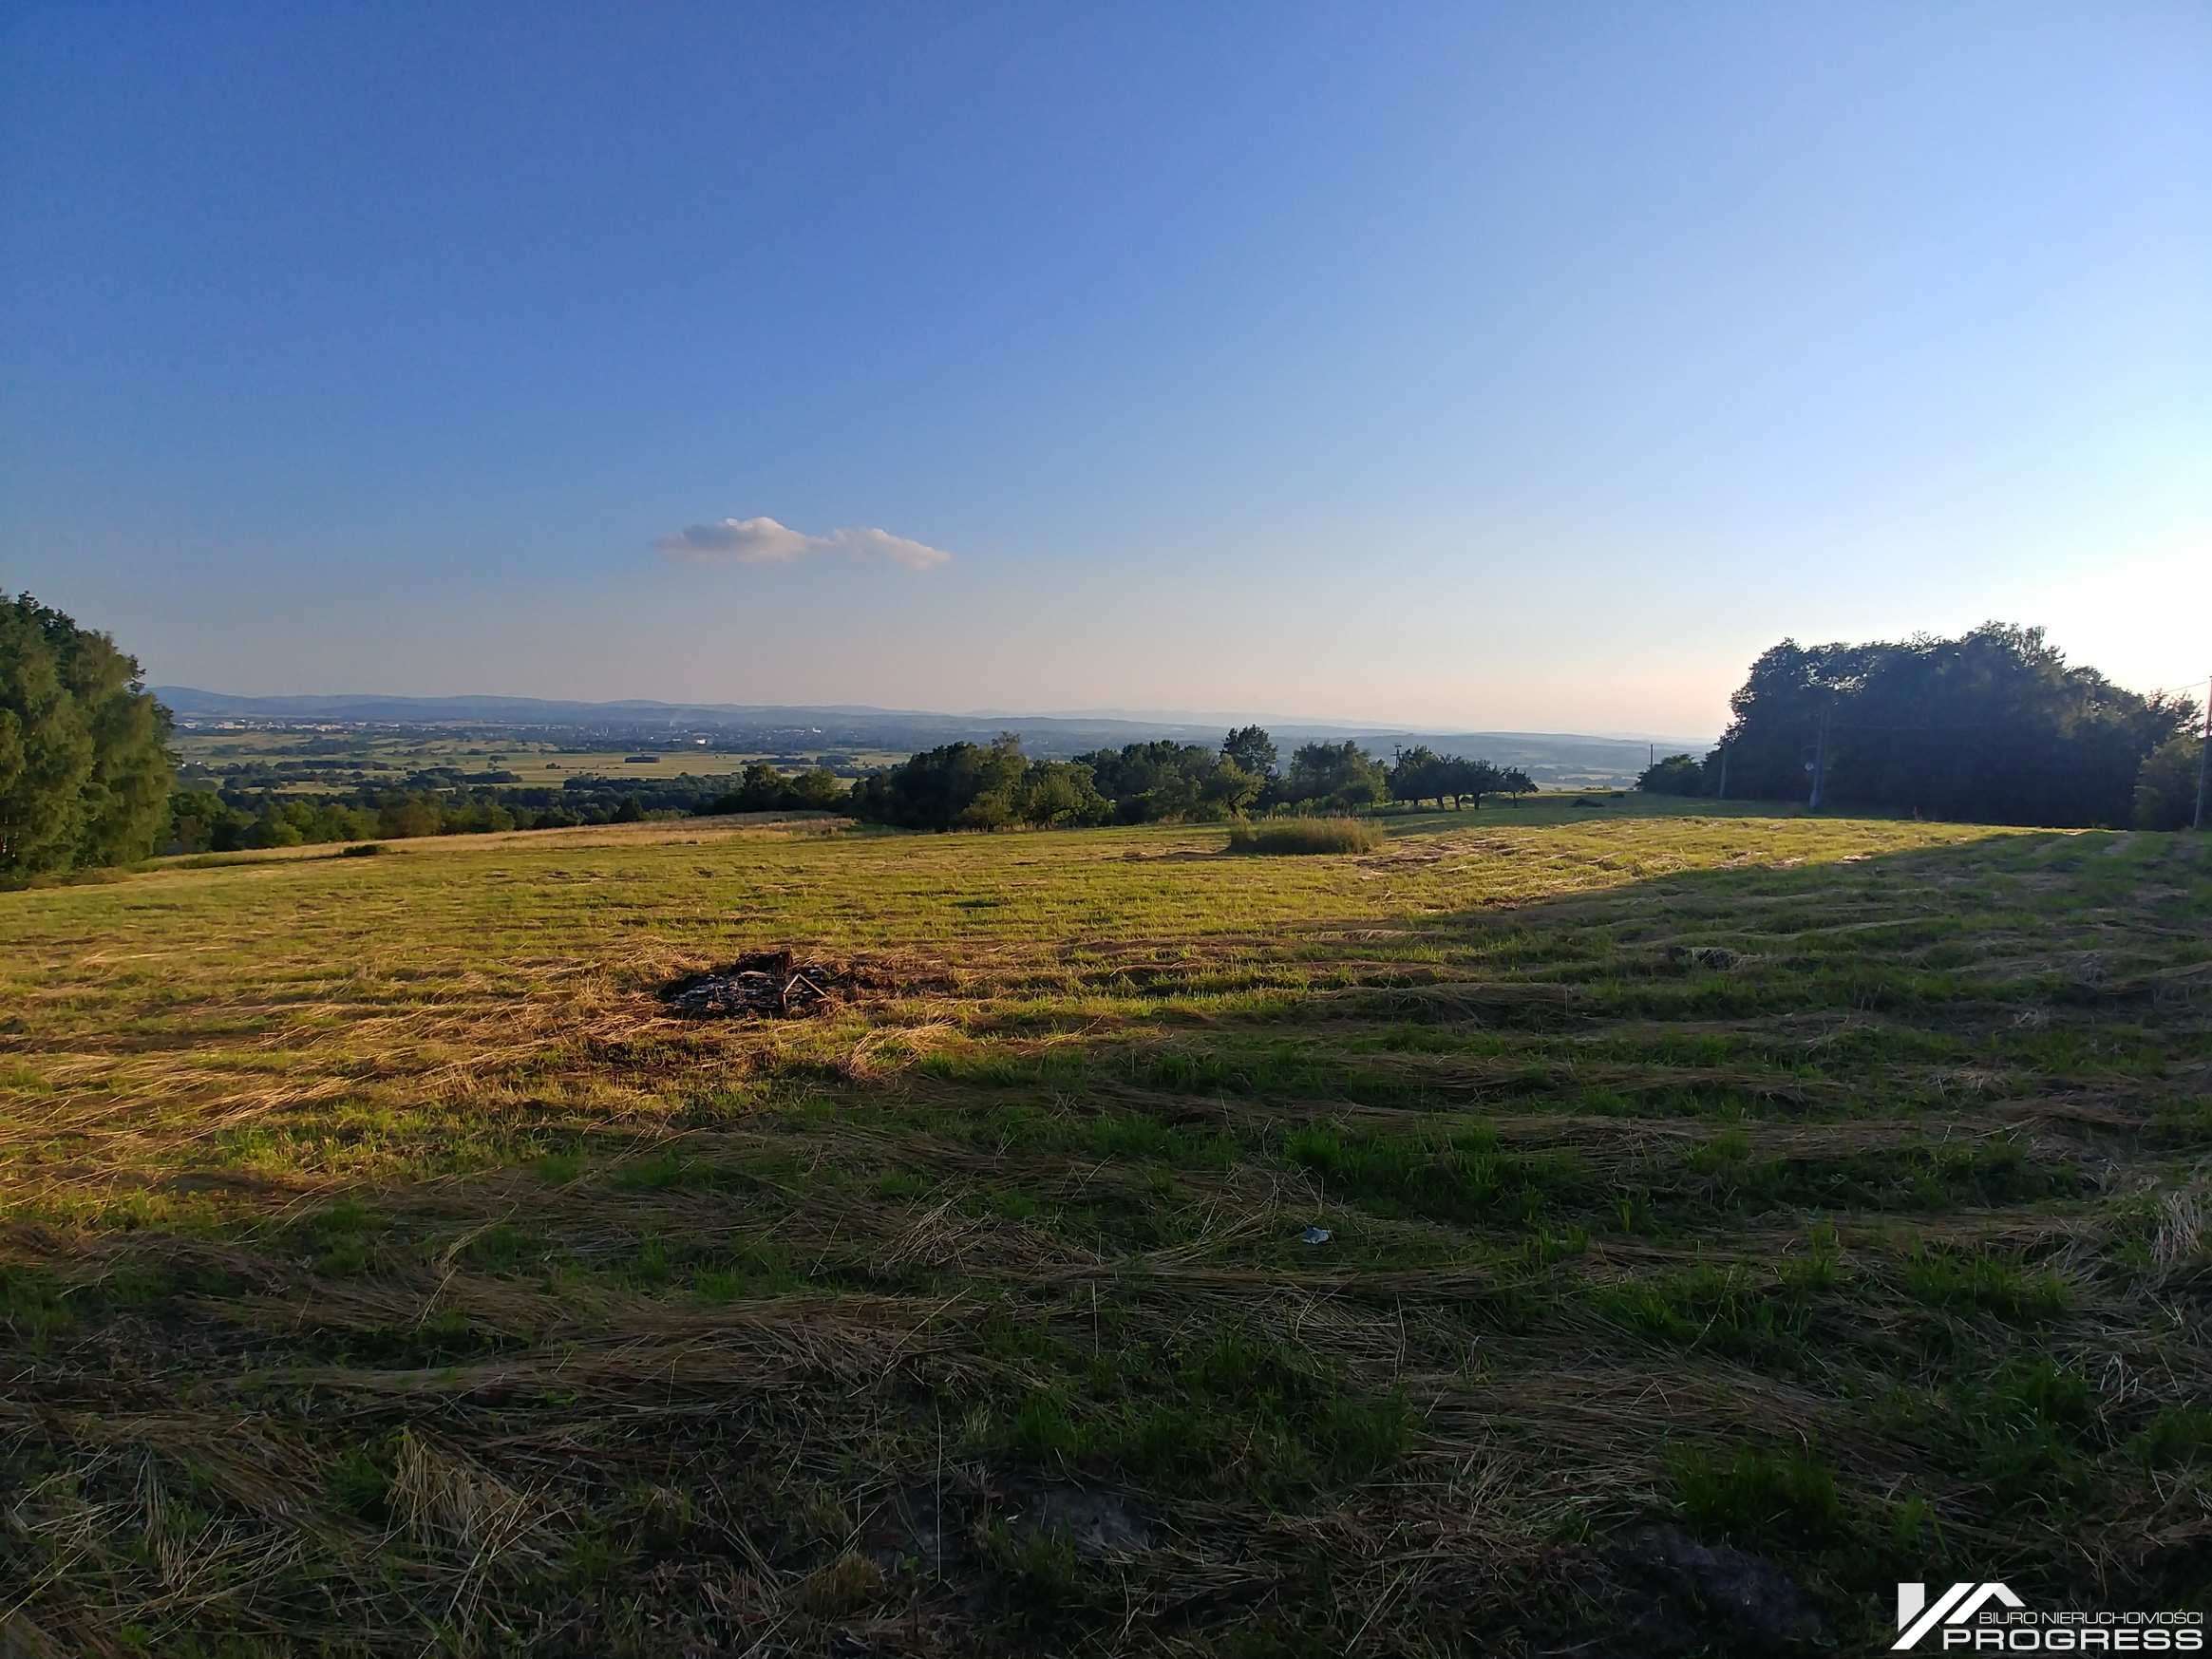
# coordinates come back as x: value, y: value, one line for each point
x: 1308, y: 834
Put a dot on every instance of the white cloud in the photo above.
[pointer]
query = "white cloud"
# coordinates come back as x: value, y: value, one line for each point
x: 766, y: 541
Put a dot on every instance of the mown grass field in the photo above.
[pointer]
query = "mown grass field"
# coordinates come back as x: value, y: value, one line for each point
x: 386, y: 1274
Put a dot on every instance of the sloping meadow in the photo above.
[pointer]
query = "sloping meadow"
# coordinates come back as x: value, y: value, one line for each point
x: 1665, y: 1232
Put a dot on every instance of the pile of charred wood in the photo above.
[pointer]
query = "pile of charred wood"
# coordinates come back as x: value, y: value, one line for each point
x: 763, y: 983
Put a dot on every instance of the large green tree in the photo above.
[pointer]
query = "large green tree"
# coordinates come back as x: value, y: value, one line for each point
x: 1340, y: 774
x: 1250, y: 749
x: 2166, y: 790
x: 1994, y: 725
x: 85, y: 772
x: 1418, y: 773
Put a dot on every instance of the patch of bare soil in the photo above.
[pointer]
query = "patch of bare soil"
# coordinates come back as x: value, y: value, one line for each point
x: 1692, y: 1597
x: 936, y: 1525
x: 1098, y: 1523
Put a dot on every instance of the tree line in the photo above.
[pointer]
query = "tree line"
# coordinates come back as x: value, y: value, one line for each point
x: 994, y: 785
x: 1992, y: 726
x: 205, y: 820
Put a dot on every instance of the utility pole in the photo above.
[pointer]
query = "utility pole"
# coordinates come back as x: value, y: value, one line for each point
x: 2203, y: 758
x: 1820, y: 758
x: 1723, y: 769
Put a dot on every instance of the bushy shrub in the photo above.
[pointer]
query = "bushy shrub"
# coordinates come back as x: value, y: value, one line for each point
x: 1676, y: 775
x: 1307, y: 835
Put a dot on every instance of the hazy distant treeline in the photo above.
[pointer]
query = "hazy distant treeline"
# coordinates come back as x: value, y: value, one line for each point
x: 1992, y: 726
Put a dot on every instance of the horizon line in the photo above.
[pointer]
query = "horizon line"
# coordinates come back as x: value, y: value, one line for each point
x: 1167, y: 717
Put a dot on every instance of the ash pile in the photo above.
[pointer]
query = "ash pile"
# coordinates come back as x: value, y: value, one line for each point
x: 762, y: 985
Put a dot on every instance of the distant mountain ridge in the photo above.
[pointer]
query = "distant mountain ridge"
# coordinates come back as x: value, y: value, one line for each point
x: 188, y: 700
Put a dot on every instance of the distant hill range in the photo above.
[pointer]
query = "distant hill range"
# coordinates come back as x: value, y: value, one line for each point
x: 1553, y: 758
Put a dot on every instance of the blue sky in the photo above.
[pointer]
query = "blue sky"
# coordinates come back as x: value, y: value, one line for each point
x: 1508, y: 367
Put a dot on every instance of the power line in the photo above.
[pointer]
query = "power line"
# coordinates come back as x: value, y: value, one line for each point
x: 2188, y: 683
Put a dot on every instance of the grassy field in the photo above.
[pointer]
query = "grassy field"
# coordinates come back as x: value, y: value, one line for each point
x: 1727, y: 1217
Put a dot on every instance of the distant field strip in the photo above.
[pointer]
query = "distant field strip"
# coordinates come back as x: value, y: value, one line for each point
x: 383, y: 1267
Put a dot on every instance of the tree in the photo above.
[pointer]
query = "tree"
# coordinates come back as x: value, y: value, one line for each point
x: 1673, y: 775
x: 1163, y: 780
x: 194, y: 818
x: 273, y: 829
x: 1250, y: 749
x: 400, y: 814
x: 2166, y: 790
x: 1227, y: 789
x: 960, y: 785
x: 964, y: 786
x: 84, y: 773
x: 996, y: 800
x: 1416, y: 774
x: 817, y: 789
x: 1341, y: 775
x: 1992, y: 725
x: 1421, y: 774
x: 1466, y: 780
x: 1056, y: 794
x: 761, y: 788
